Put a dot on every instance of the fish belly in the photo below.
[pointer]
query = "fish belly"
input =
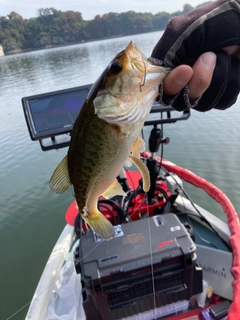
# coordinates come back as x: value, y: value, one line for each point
x: 97, y: 160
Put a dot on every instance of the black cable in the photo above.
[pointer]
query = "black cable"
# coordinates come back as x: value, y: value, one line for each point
x: 111, y: 212
x: 161, y: 155
x: 198, y: 235
x: 188, y: 213
x: 78, y: 226
x: 119, y: 210
x: 130, y: 195
x: 126, y: 204
x: 207, y: 222
x: 131, y: 199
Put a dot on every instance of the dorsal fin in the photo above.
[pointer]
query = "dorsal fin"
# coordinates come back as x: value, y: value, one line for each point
x: 60, y: 180
x: 113, y: 190
x: 144, y: 172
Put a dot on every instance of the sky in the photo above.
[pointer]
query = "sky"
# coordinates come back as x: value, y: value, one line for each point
x: 90, y: 8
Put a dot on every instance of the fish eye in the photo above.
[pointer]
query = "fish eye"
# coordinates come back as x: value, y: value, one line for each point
x: 116, y: 67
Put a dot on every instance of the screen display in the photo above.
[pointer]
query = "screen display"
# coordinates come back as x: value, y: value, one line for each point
x: 53, y: 113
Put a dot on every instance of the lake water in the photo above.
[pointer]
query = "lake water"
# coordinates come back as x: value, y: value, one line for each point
x: 31, y: 215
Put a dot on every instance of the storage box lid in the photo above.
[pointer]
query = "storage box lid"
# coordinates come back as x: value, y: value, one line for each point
x: 157, y: 241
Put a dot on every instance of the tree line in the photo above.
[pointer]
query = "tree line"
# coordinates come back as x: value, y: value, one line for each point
x: 54, y: 27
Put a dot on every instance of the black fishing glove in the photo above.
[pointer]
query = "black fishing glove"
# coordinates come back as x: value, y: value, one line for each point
x: 207, y: 28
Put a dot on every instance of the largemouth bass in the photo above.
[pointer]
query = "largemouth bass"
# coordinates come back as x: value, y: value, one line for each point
x: 106, y: 134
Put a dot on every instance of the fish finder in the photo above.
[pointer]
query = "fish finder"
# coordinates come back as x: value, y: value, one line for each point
x: 52, y: 114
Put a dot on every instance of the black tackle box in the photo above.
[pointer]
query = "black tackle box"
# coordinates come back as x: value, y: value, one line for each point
x: 150, y: 263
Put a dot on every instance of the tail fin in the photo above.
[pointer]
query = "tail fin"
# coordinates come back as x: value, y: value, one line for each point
x: 100, y: 225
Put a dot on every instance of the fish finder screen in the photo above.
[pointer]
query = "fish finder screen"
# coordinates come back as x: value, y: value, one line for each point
x: 53, y: 114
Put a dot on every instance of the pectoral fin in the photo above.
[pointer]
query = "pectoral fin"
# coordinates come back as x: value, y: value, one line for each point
x: 60, y: 180
x: 138, y: 147
x: 113, y: 190
x: 144, y: 172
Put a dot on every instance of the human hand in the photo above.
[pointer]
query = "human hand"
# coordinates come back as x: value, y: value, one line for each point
x: 203, y: 48
x: 198, y: 78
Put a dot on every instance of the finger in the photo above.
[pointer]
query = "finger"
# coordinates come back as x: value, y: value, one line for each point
x: 202, y: 75
x: 233, y: 51
x: 177, y: 80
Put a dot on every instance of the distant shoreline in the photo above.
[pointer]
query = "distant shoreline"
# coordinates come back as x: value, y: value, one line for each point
x: 12, y: 52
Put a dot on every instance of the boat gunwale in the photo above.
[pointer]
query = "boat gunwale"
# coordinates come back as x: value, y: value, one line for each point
x: 39, y: 304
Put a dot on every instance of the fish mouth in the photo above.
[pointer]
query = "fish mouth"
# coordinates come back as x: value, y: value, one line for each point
x: 136, y: 57
x: 132, y: 50
x: 150, y: 68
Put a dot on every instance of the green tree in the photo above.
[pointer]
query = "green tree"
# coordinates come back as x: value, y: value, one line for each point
x: 160, y: 20
x: 55, y: 27
x: 187, y: 7
x: 12, y: 31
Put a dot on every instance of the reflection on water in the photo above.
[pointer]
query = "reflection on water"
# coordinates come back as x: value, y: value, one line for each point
x: 31, y: 216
